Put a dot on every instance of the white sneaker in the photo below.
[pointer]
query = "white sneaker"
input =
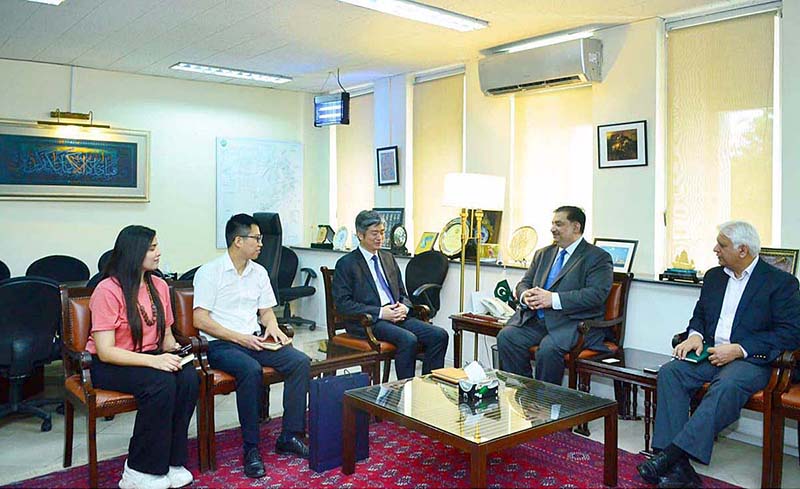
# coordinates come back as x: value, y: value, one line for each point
x: 179, y: 476
x: 133, y: 479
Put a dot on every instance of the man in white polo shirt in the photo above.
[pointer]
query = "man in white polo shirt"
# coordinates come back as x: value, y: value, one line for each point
x: 228, y: 292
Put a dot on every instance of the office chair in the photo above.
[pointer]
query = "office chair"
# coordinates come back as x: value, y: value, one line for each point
x: 96, y: 278
x: 425, y: 274
x: 60, y: 268
x: 188, y: 274
x: 287, y: 293
x: 270, y: 258
x: 30, y: 316
x: 4, y: 271
x: 103, y: 261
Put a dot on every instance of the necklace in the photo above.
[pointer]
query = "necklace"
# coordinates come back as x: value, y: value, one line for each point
x: 147, y: 320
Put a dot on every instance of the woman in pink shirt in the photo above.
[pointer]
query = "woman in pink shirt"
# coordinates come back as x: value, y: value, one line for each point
x: 133, y: 352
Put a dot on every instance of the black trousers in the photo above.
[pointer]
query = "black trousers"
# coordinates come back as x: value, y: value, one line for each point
x: 165, y: 400
x: 245, y: 365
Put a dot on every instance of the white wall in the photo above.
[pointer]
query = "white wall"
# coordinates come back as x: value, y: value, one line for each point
x: 790, y: 93
x: 183, y: 118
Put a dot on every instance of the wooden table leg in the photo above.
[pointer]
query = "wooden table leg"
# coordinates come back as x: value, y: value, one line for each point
x: 610, y: 449
x: 348, y: 437
x: 648, y: 406
x: 457, y: 336
x: 477, y: 468
x: 584, y: 385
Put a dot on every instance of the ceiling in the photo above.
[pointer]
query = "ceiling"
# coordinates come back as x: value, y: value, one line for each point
x: 304, y: 39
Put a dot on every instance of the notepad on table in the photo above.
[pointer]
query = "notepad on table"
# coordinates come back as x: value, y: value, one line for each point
x: 449, y: 374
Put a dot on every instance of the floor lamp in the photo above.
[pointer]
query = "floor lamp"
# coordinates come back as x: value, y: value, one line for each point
x: 478, y: 193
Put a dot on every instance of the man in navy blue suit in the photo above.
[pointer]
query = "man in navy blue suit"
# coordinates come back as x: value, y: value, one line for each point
x: 748, y: 313
x: 367, y: 281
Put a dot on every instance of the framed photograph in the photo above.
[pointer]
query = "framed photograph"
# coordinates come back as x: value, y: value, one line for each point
x: 622, y: 252
x: 781, y: 258
x: 387, y: 166
x: 620, y: 145
x: 392, y: 216
x: 40, y: 162
x: 426, y: 242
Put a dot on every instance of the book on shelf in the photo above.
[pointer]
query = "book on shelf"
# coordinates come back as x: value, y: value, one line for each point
x: 449, y: 374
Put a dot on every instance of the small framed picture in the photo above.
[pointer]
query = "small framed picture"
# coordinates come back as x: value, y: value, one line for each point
x: 621, y: 251
x: 781, y: 258
x: 426, y: 242
x: 387, y: 166
x: 620, y: 145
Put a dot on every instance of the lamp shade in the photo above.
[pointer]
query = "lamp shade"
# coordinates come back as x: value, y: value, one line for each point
x: 474, y: 191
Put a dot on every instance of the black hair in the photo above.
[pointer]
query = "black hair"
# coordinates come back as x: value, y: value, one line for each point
x: 574, y: 214
x: 125, y: 265
x: 238, y: 225
x: 367, y: 218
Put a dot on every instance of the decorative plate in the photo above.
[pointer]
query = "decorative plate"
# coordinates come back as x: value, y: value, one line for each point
x: 399, y: 236
x: 450, y: 238
x: 523, y: 242
x: 340, y: 238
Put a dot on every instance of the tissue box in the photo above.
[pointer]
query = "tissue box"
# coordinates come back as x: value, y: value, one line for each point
x: 470, y: 392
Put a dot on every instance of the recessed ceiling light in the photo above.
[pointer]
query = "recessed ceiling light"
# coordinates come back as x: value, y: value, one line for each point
x: 48, y: 2
x: 231, y: 73
x: 422, y: 13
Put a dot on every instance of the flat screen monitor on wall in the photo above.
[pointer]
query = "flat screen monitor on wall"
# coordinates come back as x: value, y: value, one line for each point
x: 332, y: 109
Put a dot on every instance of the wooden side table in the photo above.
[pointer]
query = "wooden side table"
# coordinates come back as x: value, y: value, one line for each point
x: 627, y: 366
x: 474, y: 323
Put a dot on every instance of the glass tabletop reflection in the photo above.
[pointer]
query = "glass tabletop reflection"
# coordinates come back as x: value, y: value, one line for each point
x: 323, y: 350
x: 521, y: 404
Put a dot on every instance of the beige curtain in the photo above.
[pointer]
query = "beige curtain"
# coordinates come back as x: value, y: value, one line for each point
x: 355, y: 162
x: 719, y: 132
x: 553, y: 161
x: 438, y: 149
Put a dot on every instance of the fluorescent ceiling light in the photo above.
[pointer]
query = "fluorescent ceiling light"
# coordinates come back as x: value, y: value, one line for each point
x: 422, y: 13
x: 545, y: 41
x: 48, y: 2
x: 231, y: 73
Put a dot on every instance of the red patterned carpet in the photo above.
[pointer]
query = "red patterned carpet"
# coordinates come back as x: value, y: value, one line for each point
x: 398, y: 458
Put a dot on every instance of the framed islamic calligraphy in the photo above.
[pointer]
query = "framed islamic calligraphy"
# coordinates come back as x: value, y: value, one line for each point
x: 40, y: 162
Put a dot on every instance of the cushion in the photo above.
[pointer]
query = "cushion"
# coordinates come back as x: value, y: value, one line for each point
x: 361, y: 344
x: 106, y: 400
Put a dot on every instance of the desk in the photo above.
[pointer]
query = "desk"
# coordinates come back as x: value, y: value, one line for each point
x: 525, y: 409
x: 474, y: 323
x: 628, y: 369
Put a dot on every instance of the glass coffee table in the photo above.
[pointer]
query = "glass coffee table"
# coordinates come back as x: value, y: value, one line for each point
x: 523, y: 410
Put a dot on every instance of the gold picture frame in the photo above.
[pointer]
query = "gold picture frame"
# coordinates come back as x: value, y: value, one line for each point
x: 426, y: 242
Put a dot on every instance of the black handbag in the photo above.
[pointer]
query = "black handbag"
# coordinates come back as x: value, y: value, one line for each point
x: 325, y: 421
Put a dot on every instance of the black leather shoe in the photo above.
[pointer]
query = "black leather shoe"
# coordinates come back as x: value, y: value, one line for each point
x: 253, y: 466
x: 651, y: 470
x: 291, y: 445
x: 682, y: 474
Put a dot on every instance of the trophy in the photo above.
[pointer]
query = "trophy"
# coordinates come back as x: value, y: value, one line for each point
x: 682, y: 269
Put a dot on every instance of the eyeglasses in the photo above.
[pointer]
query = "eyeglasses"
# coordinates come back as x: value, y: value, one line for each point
x: 257, y: 237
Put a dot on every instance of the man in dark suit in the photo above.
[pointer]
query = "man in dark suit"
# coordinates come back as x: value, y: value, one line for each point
x: 567, y: 282
x: 367, y: 281
x: 748, y: 312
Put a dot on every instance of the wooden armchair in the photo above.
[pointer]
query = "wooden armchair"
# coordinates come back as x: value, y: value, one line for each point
x: 785, y: 404
x: 336, y: 323
x: 78, y: 387
x: 215, y: 382
x: 616, y: 309
x: 762, y: 402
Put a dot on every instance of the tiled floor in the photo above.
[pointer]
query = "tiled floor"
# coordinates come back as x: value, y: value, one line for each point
x: 27, y: 452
